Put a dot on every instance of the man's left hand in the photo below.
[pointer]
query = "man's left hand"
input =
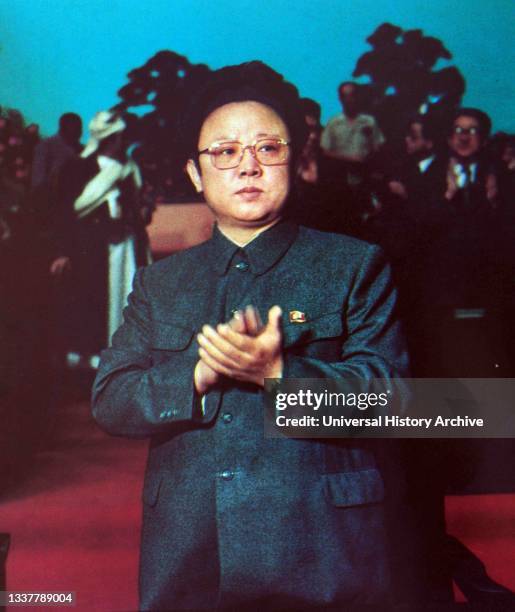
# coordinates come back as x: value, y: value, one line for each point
x: 244, y: 356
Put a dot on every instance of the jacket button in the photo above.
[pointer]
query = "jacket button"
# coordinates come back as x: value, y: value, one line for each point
x: 227, y: 417
x: 242, y: 266
x: 227, y: 475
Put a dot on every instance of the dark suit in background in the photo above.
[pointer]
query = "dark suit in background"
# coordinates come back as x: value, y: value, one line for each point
x: 232, y: 518
x: 454, y: 311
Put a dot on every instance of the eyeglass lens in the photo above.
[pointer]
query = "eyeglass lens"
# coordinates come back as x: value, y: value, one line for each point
x: 462, y: 130
x: 268, y: 152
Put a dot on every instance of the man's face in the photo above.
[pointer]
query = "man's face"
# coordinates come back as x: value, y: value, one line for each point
x: 348, y: 99
x: 416, y: 143
x: 251, y: 195
x: 465, y: 139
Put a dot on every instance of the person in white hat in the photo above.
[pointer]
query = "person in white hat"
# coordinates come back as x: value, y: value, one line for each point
x: 102, y: 231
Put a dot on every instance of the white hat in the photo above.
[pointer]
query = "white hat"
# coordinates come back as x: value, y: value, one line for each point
x: 103, y: 124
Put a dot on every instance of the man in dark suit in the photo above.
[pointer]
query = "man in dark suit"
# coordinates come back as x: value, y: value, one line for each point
x: 456, y: 328
x: 413, y: 178
x: 231, y: 518
x: 457, y: 272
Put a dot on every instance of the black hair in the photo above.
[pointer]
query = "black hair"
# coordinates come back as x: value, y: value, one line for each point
x: 69, y: 120
x: 483, y: 120
x: 311, y: 107
x: 251, y: 81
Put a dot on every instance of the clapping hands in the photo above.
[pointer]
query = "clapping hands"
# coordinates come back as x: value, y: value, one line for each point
x: 243, y: 349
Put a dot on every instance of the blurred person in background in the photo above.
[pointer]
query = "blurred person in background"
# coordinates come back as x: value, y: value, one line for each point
x: 100, y: 232
x: 349, y: 142
x: 49, y: 156
x: 351, y: 136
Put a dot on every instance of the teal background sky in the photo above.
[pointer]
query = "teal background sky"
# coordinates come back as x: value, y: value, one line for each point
x: 73, y: 55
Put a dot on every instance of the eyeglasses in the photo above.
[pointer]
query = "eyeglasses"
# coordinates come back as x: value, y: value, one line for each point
x: 267, y: 151
x: 457, y: 129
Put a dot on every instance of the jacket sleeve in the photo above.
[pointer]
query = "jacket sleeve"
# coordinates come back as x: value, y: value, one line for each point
x: 374, y: 345
x: 144, y: 386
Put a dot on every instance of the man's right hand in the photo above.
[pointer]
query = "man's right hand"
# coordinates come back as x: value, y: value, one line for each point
x: 247, y: 322
x: 60, y: 266
x: 398, y: 189
x: 452, y: 179
x: 204, y: 377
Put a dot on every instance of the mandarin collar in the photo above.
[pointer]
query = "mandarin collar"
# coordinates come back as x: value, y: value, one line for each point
x: 263, y: 252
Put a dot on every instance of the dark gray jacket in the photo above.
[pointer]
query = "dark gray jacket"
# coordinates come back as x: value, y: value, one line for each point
x: 232, y: 518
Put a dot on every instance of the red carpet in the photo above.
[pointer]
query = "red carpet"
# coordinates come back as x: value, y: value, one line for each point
x: 74, y: 521
x: 486, y: 524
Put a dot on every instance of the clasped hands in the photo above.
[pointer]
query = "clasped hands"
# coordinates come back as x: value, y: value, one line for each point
x: 243, y: 349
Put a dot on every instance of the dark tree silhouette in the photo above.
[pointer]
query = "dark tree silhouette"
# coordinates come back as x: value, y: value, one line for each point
x: 162, y: 84
x: 404, y: 80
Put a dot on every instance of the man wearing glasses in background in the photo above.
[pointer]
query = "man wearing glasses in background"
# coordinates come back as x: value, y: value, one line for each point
x: 469, y: 178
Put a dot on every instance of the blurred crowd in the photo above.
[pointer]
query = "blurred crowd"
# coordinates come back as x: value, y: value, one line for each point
x: 17, y: 145
x: 72, y: 233
x: 441, y: 204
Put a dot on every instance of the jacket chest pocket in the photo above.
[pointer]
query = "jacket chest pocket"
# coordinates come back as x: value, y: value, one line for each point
x: 321, y: 336
x: 169, y: 340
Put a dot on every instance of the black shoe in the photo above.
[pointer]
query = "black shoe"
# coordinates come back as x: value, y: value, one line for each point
x: 481, y: 589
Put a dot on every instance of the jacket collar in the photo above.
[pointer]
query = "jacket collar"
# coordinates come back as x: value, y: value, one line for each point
x: 262, y: 253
